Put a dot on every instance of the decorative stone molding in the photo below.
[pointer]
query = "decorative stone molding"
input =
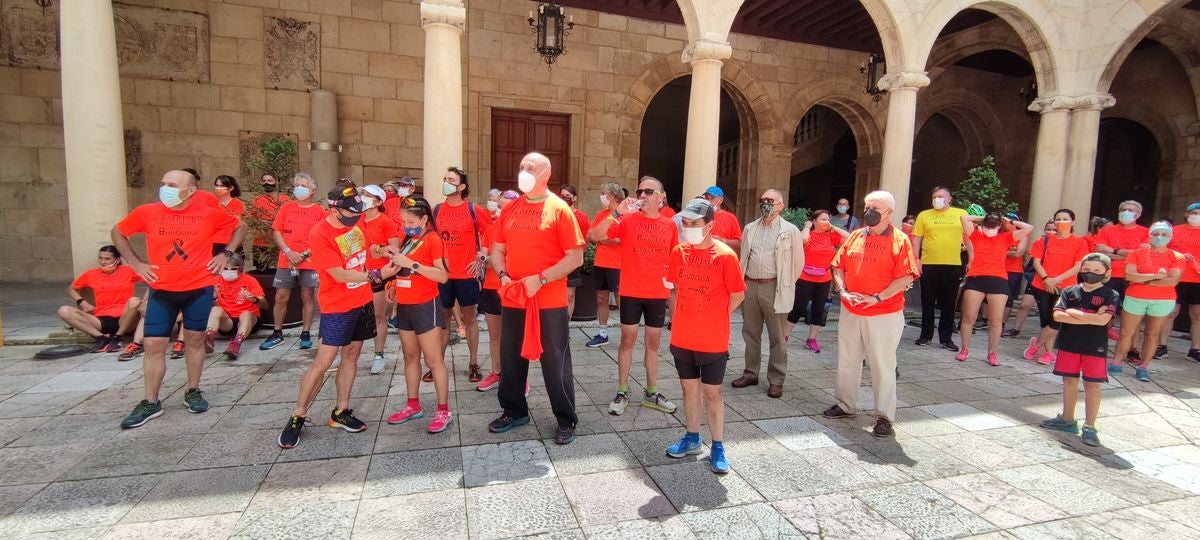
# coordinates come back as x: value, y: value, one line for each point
x: 451, y: 13
x: 133, y: 158
x: 903, y: 79
x: 1045, y: 104
x: 1096, y: 101
x: 30, y: 36
x: 707, y: 50
x: 291, y: 54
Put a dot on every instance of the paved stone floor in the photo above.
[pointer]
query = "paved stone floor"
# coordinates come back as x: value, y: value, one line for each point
x: 967, y: 460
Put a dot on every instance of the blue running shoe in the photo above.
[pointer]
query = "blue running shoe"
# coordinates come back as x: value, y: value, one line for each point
x: 1115, y: 369
x: 272, y: 341
x: 1089, y: 436
x: 686, y: 446
x: 717, y: 461
x: 597, y: 340
x: 1142, y: 374
x: 306, y: 340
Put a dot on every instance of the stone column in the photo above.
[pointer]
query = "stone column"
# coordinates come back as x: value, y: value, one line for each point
x: 444, y: 22
x: 1050, y: 160
x: 1081, y: 153
x: 93, y: 128
x: 898, y: 135
x: 324, y: 147
x: 704, y: 114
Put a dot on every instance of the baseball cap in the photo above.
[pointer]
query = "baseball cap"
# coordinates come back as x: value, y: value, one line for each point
x: 345, y: 198
x: 1193, y: 206
x: 713, y: 191
x: 375, y: 191
x: 406, y: 181
x: 698, y: 209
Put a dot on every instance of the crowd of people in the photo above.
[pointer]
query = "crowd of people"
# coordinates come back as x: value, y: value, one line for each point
x: 377, y: 256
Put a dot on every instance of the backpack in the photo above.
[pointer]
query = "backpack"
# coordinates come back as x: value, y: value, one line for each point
x: 474, y: 220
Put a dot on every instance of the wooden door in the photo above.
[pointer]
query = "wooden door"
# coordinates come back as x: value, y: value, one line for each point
x: 516, y: 133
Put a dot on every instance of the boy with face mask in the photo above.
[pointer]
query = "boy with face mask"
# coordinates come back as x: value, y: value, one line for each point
x: 239, y: 302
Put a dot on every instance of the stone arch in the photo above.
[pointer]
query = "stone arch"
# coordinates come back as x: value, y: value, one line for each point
x: 1181, y: 36
x: 1024, y: 19
x: 991, y: 36
x: 1154, y: 18
x: 1160, y: 127
x: 847, y: 99
x: 974, y: 117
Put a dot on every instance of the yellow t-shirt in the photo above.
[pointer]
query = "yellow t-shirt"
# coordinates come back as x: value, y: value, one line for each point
x: 941, y: 235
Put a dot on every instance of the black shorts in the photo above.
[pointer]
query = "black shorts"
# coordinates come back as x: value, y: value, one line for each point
x: 575, y: 278
x: 653, y: 309
x: 1187, y: 294
x: 1014, y: 286
x: 606, y: 279
x: 708, y: 367
x: 464, y: 291
x: 489, y: 302
x: 1118, y: 284
x: 986, y: 285
x: 340, y: 329
x: 109, y: 325
x: 164, y: 306
x: 420, y: 318
x: 1045, y: 305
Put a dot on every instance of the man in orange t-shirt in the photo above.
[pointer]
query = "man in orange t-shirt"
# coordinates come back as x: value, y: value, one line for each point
x: 461, y: 225
x: 725, y: 225
x: 179, y: 269
x: 537, y: 244
x: 646, y: 238
x: 871, y: 271
x: 291, y: 228
x: 1121, y: 238
x: 1186, y: 240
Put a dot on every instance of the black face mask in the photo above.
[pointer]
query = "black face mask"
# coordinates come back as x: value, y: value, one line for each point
x: 872, y: 217
x: 349, y: 221
x: 269, y: 188
x: 1090, y: 277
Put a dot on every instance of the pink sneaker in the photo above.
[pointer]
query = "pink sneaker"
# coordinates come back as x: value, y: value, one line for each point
x: 962, y: 355
x: 491, y: 381
x: 409, y: 413
x: 1032, y: 349
x: 813, y: 345
x: 1113, y: 334
x: 992, y: 359
x: 440, y: 422
x: 1047, y: 358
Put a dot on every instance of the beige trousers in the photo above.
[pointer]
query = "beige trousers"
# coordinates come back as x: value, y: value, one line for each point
x: 757, y: 311
x: 876, y: 340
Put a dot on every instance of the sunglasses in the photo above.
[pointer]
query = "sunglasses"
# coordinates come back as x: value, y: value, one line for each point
x: 647, y: 192
x: 234, y: 268
x: 768, y: 201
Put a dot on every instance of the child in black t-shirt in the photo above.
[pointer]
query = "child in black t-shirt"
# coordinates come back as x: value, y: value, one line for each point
x: 1084, y: 311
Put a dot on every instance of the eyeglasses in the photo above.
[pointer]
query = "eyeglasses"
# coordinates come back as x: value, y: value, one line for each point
x: 647, y: 192
x: 768, y: 201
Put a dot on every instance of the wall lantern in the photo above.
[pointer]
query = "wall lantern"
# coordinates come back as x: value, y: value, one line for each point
x: 551, y: 26
x: 1028, y: 94
x: 870, y: 75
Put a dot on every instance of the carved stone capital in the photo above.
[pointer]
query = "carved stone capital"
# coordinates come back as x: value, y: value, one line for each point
x: 704, y: 49
x: 1046, y: 104
x: 1095, y: 102
x: 904, y: 79
x: 443, y: 12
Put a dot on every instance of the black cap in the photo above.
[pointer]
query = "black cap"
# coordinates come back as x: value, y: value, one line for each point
x: 345, y: 198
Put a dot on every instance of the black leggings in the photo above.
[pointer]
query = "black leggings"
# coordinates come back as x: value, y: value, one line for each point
x: 817, y: 294
x: 1045, y: 304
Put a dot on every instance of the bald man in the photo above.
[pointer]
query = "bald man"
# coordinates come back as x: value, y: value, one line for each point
x: 179, y: 268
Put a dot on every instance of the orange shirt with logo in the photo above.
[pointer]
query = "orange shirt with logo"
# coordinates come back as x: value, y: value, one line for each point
x: 645, y: 245
x: 1147, y: 261
x: 295, y: 223
x: 536, y: 235
x: 704, y: 279
x: 344, y: 248
x: 458, y: 232
x: 726, y: 226
x: 1186, y: 240
x: 415, y: 288
x: 229, y: 295
x: 990, y: 254
x: 235, y: 208
x: 1116, y: 236
x: 178, y: 242
x: 607, y: 255
x: 818, y: 253
x: 1058, y: 257
x: 112, y: 290
x: 378, y: 231
x: 871, y: 263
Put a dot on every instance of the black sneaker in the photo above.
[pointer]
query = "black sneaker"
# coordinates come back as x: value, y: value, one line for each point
x: 922, y: 341
x: 950, y: 346
x: 1160, y: 351
x: 883, y: 428
x: 505, y: 423
x: 346, y: 421
x: 1194, y: 355
x: 836, y: 412
x: 101, y: 344
x: 194, y: 399
x: 291, y: 432
x: 114, y: 345
x: 564, y: 434
x: 143, y: 412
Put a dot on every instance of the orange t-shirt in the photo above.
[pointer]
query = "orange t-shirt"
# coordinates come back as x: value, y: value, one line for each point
x: 111, y: 290
x: 229, y: 295
x: 990, y: 254
x: 295, y: 223
x: 645, y: 245
x: 457, y: 228
x: 726, y: 226
x: 1186, y: 240
x: 1014, y: 264
x: 607, y: 255
x: 1058, y: 257
x: 1091, y: 242
x: 344, y: 247
x: 1147, y: 261
x: 391, y: 207
x: 264, y: 208
x: 668, y: 211
x: 819, y: 252
x: 179, y: 242
x: 582, y: 219
x: 704, y: 279
x: 378, y: 231
x: 206, y: 198
x: 236, y: 208
x: 871, y: 263
x: 536, y: 235
x: 1118, y: 237
x: 491, y: 281
x: 424, y: 250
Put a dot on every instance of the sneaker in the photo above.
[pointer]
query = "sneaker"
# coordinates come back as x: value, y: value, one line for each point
x: 291, y: 432
x: 962, y: 355
x: 992, y: 359
x: 922, y: 341
x: 474, y: 374
x: 597, y: 340
x: 194, y: 399
x: 1113, y: 334
x: 114, y: 345
x: 1032, y: 349
x: 441, y: 421
x: 980, y: 324
x: 491, y: 381
x: 1046, y: 359
x: 685, y: 447
x: 101, y: 344
x: 346, y: 421
x: 1115, y: 369
x: 394, y: 322
x: 1089, y: 436
x: 812, y: 345
x: 234, y: 350
x: 337, y: 362
x: 210, y: 342
x: 1194, y: 355
x: 1010, y: 333
x: 409, y: 413
x: 177, y: 350
x: 1160, y: 351
x: 717, y: 460
x: 950, y: 346
x: 658, y: 402
x: 505, y: 423
x: 564, y: 434
x: 142, y: 412
x: 377, y: 364
x: 619, y: 402
x: 1058, y: 424
x: 131, y: 351
x: 427, y: 377
x: 272, y: 341
x: 1134, y: 357
x: 836, y: 412
x: 306, y: 342
x: 1142, y: 374
x: 883, y: 428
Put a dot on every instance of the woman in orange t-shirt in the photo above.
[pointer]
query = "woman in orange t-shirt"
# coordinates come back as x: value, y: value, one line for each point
x: 489, y: 300
x: 1152, y: 273
x: 422, y: 258
x: 821, y: 240
x: 1056, y: 260
x: 115, y: 312
x: 227, y: 191
x: 987, y: 278
x: 382, y: 232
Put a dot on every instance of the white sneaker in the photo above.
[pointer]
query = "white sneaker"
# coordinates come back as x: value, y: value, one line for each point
x: 337, y: 361
x: 377, y: 364
x: 617, y: 407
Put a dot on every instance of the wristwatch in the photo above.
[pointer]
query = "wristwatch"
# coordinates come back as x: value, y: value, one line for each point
x: 415, y: 266
x: 542, y: 278
x: 79, y: 302
x: 502, y: 274
x: 878, y: 299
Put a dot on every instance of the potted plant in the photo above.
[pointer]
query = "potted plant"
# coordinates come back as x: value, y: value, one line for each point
x: 277, y: 156
x: 585, y: 294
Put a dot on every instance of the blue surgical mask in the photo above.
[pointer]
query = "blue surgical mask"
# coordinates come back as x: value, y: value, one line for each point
x: 169, y: 196
x: 1160, y: 241
x: 843, y: 209
x: 1126, y: 216
x: 412, y: 231
x: 301, y: 192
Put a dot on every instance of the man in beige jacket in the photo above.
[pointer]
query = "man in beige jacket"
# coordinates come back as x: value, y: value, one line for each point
x: 772, y: 257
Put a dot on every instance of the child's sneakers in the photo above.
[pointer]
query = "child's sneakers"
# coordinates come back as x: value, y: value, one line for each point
x: 1032, y: 349
x: 1058, y: 424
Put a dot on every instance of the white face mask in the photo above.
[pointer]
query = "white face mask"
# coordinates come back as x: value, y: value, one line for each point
x: 604, y: 200
x: 939, y: 203
x: 989, y: 232
x: 229, y: 275
x: 493, y: 206
x: 1194, y: 220
x: 368, y: 203
x: 1126, y: 217
x: 693, y: 235
x: 526, y: 181
x: 404, y: 191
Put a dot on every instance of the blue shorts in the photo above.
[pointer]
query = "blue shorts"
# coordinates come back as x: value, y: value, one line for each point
x: 164, y: 306
x: 339, y: 329
x: 465, y: 291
